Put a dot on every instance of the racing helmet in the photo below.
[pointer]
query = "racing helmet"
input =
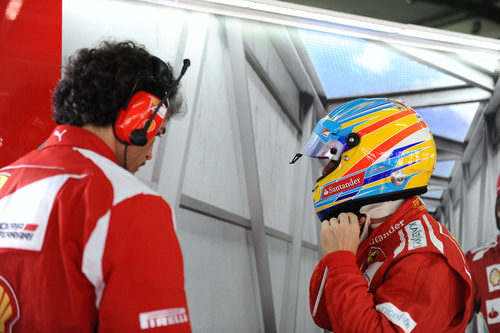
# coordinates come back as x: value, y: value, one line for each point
x: 378, y: 150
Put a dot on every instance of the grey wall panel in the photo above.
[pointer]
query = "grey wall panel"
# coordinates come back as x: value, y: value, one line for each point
x: 276, y: 143
x: 312, y: 224
x: 278, y: 250
x: 239, y: 75
x: 457, y: 211
x: 219, y: 272
x: 471, y: 218
x: 489, y: 227
x: 174, y: 145
x: 476, y: 163
x: 482, y: 200
x: 304, y: 322
x: 258, y: 41
x: 478, y: 220
x: 430, y: 204
x: 302, y: 213
x: 214, y: 168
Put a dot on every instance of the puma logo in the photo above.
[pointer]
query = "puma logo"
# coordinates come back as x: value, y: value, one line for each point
x: 59, y: 135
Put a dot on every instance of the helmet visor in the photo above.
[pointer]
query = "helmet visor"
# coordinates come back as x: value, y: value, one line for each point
x: 319, y: 148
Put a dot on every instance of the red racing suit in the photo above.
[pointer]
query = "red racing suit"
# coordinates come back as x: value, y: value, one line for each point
x: 484, y: 263
x: 409, y: 275
x: 84, y: 245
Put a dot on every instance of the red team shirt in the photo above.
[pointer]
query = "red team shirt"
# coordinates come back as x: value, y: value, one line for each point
x: 484, y: 263
x: 85, y: 245
x: 409, y: 275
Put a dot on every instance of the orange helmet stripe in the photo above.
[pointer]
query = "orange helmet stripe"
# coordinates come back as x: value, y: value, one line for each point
x: 383, y: 147
x: 381, y: 123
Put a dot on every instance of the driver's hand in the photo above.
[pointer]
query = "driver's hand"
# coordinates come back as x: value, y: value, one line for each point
x: 341, y: 233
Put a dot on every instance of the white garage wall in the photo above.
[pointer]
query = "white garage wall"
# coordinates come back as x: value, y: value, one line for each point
x: 455, y: 223
x: 276, y: 142
x: 469, y: 231
x: 488, y: 228
x: 470, y: 208
x: 214, y: 168
x: 308, y: 262
x: 278, y: 250
x: 201, y: 170
x: 218, y: 268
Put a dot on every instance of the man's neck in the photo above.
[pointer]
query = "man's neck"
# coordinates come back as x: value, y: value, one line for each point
x: 105, y: 133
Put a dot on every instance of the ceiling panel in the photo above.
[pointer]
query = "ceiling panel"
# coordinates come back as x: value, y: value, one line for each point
x: 487, y: 62
x: 435, y: 194
x: 443, y: 169
x: 450, y: 121
x: 350, y: 66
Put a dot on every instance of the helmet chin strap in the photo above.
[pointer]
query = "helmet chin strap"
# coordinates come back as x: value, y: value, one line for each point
x: 377, y: 211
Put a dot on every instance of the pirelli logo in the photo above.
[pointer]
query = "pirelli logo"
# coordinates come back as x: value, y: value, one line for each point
x: 161, y: 318
x: 9, y: 307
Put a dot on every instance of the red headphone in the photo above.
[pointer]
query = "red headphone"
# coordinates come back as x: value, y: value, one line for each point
x: 141, y: 117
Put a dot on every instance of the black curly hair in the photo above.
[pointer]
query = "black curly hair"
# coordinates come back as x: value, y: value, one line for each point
x: 97, y: 83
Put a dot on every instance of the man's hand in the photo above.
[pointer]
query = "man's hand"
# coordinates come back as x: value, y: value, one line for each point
x: 340, y: 234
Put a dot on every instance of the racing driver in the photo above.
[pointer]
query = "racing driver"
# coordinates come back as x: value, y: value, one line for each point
x: 395, y: 269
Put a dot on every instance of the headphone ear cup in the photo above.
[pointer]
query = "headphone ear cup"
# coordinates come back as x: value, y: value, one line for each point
x: 139, y: 137
x: 129, y: 125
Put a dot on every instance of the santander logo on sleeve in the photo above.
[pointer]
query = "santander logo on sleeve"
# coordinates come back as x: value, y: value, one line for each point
x: 342, y: 185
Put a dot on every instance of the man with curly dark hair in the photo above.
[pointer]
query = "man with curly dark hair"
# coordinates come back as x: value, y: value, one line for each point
x: 95, y: 88
x: 84, y: 245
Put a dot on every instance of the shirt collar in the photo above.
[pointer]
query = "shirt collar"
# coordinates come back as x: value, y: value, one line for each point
x: 410, y: 208
x: 73, y: 136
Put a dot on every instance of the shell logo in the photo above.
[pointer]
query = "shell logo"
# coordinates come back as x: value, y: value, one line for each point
x: 9, y: 307
x: 151, y: 126
x: 495, y: 277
